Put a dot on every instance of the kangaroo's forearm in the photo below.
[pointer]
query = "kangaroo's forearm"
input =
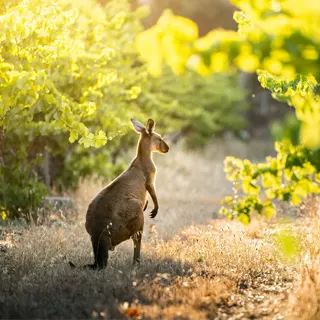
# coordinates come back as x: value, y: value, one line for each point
x: 152, y: 192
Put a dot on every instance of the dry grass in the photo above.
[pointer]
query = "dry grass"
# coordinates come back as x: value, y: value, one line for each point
x: 208, y: 271
x: 304, y: 302
x: 193, y: 267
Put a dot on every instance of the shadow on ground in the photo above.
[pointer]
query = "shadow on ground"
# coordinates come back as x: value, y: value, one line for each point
x: 56, y: 291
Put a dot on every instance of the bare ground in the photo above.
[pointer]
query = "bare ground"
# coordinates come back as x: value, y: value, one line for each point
x: 194, y: 266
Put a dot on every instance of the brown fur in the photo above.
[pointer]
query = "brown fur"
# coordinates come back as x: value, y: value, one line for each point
x: 116, y: 213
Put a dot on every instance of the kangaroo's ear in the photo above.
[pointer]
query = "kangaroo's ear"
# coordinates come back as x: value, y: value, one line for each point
x: 138, y: 126
x: 151, y: 125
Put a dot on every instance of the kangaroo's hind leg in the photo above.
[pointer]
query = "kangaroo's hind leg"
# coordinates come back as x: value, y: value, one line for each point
x: 100, y: 245
x: 137, y: 247
x: 135, y: 226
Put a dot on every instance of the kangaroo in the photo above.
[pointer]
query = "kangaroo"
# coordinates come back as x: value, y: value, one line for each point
x: 116, y: 213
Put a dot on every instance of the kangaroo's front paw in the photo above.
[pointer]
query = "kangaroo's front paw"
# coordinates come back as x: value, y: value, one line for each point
x: 153, y: 213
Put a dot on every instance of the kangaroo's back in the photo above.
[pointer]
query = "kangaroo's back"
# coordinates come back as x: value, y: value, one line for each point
x: 112, y: 202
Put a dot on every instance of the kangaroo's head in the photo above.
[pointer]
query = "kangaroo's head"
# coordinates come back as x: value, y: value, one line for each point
x: 149, y: 139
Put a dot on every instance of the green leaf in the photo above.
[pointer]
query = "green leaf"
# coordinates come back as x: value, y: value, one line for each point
x: 269, y: 210
x: 87, y: 140
x: 100, y: 139
x: 244, y: 218
x: 73, y: 136
x: 287, y: 244
x: 295, y: 199
x: 249, y: 188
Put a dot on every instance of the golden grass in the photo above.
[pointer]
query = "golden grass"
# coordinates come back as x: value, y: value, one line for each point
x: 194, y: 266
x: 206, y: 271
x: 217, y: 270
x: 304, y: 301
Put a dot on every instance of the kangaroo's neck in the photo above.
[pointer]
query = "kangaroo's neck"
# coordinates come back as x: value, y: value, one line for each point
x: 144, y: 155
x: 144, y: 150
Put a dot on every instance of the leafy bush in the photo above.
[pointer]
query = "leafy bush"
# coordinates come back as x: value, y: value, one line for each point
x: 20, y: 191
x: 292, y: 175
x: 65, y: 70
x: 62, y: 65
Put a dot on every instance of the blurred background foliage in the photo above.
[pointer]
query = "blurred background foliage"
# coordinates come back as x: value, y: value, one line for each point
x: 208, y: 14
x: 198, y: 106
x: 280, y: 41
x: 277, y: 39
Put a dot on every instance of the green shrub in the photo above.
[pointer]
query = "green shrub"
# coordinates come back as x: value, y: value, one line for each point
x: 67, y: 71
x: 20, y: 191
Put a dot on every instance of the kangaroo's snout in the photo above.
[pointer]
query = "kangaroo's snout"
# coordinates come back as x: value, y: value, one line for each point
x: 164, y: 147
